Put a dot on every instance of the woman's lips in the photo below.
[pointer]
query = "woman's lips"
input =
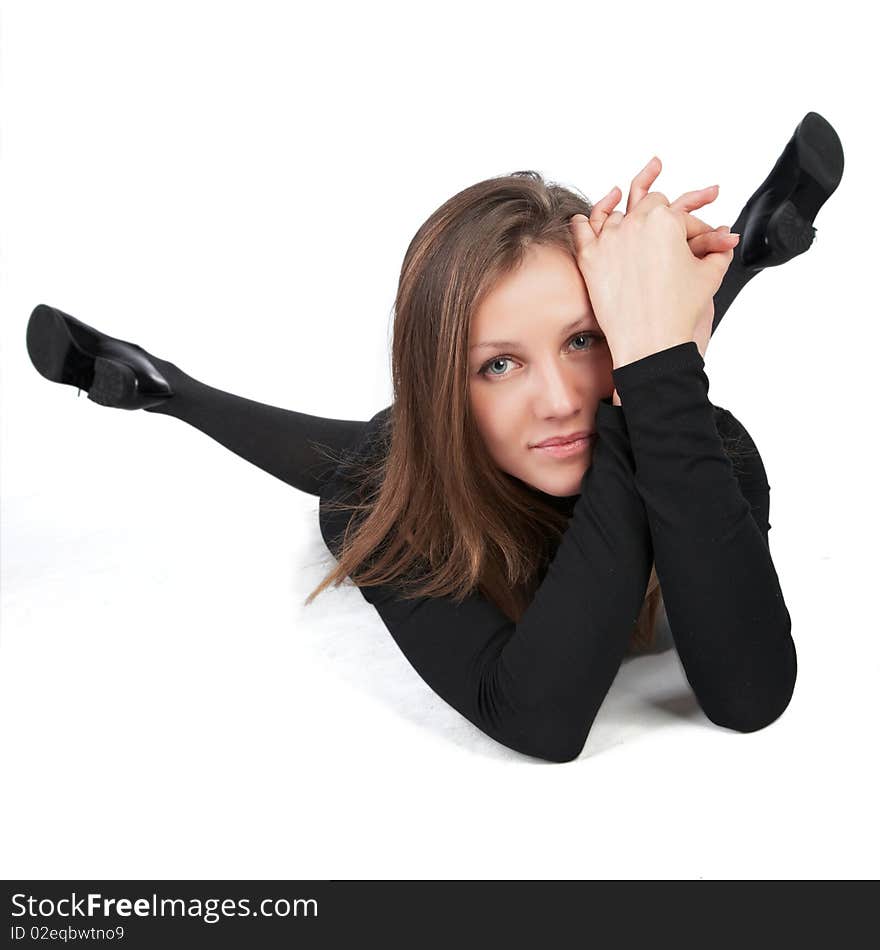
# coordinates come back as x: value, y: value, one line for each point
x: 567, y: 449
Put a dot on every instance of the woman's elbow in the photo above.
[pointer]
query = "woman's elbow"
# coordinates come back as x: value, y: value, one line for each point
x: 558, y: 745
x: 758, y: 706
x: 557, y: 753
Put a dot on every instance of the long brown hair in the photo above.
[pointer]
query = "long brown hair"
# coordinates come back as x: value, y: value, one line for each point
x: 432, y: 513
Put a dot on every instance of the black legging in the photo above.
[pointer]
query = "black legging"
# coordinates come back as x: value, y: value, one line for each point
x: 282, y: 441
x: 736, y: 276
x: 279, y: 441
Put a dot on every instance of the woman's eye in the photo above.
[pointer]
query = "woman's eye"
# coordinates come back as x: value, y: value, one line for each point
x: 589, y: 335
x: 491, y: 363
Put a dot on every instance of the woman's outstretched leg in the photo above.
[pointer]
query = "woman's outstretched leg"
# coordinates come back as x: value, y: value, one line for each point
x: 301, y: 450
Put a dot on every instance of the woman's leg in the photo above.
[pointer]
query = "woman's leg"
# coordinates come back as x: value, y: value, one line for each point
x: 736, y: 277
x: 282, y: 442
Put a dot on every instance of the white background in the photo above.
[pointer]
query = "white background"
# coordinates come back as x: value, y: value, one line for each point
x: 232, y: 186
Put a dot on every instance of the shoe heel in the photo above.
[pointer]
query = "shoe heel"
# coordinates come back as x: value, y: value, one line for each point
x: 116, y: 385
x: 788, y: 231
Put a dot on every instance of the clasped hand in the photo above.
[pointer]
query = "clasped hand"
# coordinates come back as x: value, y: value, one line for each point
x: 651, y: 275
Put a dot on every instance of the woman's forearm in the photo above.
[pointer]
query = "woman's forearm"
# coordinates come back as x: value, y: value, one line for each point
x: 721, y: 591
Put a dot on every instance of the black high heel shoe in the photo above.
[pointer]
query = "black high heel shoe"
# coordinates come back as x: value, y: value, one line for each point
x: 776, y: 223
x: 115, y: 373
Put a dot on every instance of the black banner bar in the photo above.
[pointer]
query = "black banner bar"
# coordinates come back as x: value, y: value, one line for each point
x: 293, y: 914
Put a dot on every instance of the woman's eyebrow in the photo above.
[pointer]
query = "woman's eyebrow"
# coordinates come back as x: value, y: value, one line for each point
x: 512, y: 343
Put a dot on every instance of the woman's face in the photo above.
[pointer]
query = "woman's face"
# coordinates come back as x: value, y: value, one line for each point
x: 538, y: 366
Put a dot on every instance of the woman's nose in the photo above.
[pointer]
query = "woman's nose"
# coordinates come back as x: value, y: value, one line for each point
x: 557, y: 394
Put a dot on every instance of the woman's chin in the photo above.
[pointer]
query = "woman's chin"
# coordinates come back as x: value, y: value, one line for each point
x: 561, y: 487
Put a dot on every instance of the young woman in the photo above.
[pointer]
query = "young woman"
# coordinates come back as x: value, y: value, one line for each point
x: 514, y: 574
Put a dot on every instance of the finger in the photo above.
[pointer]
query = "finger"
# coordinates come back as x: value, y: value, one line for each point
x: 715, y: 239
x: 695, y: 226
x: 691, y: 200
x: 642, y: 182
x: 712, y: 241
x: 713, y: 267
x: 581, y: 232
x: 603, y: 208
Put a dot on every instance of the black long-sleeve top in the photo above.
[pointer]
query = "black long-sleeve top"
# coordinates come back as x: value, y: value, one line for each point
x: 660, y: 489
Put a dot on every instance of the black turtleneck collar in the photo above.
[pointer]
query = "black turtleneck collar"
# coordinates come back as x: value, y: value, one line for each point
x: 563, y: 503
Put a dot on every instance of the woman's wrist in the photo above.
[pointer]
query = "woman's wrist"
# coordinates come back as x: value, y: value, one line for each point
x: 623, y: 355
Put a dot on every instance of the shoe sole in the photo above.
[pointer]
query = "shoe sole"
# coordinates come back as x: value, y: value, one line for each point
x: 59, y: 358
x: 820, y: 155
x: 53, y: 351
